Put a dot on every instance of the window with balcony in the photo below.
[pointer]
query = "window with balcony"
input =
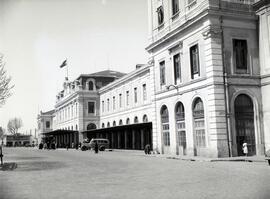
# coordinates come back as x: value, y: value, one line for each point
x: 177, y: 68
x: 240, y: 55
x: 162, y: 72
x: 194, y: 61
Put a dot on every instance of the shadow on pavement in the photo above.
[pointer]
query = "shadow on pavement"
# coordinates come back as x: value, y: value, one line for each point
x: 8, y: 166
x: 39, y: 166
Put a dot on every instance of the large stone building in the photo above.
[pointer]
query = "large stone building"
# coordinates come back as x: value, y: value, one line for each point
x: 208, y: 77
x: 127, y: 115
x: 76, y: 108
x: 203, y: 93
x: 262, y: 8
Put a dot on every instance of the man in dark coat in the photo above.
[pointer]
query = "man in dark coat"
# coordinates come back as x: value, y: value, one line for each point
x: 96, y: 147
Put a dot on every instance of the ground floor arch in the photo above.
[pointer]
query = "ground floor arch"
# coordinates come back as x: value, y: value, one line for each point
x: 244, y: 124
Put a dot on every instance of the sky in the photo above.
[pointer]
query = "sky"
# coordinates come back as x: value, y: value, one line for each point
x: 36, y: 36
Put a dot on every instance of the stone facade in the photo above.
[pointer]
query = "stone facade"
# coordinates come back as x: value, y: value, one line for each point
x: 262, y: 8
x: 207, y: 36
x: 130, y: 100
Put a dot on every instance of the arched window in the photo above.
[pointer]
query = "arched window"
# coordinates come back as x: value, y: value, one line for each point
x: 103, y: 125
x: 199, y: 123
x: 91, y: 126
x: 145, y: 118
x: 128, y: 121
x: 165, y: 125
x: 114, y: 123
x: 76, y: 127
x: 120, y: 122
x: 90, y: 85
x: 180, y: 126
x: 71, y: 127
x: 136, y: 120
x: 108, y: 124
x: 244, y: 124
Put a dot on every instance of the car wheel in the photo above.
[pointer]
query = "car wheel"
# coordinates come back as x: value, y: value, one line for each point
x: 102, y: 148
x: 84, y: 148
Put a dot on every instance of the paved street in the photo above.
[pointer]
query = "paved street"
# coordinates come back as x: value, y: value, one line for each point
x: 118, y: 174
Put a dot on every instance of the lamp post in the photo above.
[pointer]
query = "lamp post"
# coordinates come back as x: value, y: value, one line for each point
x: 1, y: 155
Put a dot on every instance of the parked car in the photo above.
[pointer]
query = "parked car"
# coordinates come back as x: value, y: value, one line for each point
x: 102, y: 144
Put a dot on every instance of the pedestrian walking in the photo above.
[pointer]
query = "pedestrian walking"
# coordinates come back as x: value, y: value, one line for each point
x: 72, y: 145
x: 245, y: 148
x: 147, y: 149
x: 96, y: 147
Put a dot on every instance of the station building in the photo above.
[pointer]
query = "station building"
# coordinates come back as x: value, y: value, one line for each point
x: 203, y: 92
x: 208, y: 78
x: 127, y: 116
x: 76, y: 108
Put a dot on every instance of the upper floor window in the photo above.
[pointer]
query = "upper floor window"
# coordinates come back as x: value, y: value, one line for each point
x: 48, y: 124
x: 240, y: 55
x: 127, y: 97
x: 144, y: 92
x: 160, y: 13
x: 103, y: 107
x: 135, y: 95
x: 177, y: 68
x: 194, y: 61
x: 175, y: 7
x: 91, y: 107
x: 162, y: 72
x: 90, y: 86
x: 120, y: 100
x: 113, y: 102
x: 108, y: 105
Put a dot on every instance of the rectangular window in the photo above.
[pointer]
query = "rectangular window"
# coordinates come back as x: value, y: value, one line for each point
x: 108, y: 105
x: 103, y: 107
x: 47, y: 124
x: 177, y: 68
x: 120, y: 100
x: 91, y: 107
x: 135, y: 95
x: 194, y: 61
x: 162, y: 72
x: 175, y: 7
x: 113, y: 102
x: 240, y: 55
x: 144, y: 92
x: 127, y: 97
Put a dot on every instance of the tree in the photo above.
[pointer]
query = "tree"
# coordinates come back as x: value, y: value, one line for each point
x: 5, y: 86
x: 1, y: 132
x: 13, y: 125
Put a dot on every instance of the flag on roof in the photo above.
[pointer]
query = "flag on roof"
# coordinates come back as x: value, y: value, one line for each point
x: 63, y: 64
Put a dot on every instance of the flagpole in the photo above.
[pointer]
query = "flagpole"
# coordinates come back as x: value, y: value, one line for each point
x: 67, y: 70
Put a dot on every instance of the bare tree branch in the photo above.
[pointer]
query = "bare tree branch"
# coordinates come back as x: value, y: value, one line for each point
x: 13, y: 125
x: 5, y: 86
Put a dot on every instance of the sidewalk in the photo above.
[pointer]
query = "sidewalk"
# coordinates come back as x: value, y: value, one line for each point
x: 205, y: 159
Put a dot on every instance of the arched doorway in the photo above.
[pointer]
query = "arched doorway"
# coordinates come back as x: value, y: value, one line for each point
x: 180, y: 128
x: 244, y: 124
x: 199, y: 126
x: 165, y: 128
x: 91, y: 126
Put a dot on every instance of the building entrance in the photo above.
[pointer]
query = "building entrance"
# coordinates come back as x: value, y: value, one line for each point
x: 244, y: 121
